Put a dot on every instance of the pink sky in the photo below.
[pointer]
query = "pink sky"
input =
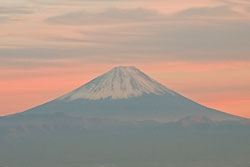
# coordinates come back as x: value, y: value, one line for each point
x: 198, y: 48
x: 215, y: 85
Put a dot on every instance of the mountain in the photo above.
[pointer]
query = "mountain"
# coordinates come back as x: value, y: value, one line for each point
x: 126, y: 93
x: 123, y: 118
x: 118, y: 83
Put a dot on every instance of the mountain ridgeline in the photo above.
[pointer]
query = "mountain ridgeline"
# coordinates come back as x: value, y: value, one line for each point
x: 126, y: 93
x: 124, y: 118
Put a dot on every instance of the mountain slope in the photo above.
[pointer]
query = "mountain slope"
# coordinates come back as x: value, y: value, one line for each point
x: 125, y: 93
x: 118, y: 83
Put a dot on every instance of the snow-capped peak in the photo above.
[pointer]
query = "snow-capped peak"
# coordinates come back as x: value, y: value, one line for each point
x: 119, y: 83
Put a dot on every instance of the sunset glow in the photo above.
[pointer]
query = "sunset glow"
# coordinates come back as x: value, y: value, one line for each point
x: 199, y: 49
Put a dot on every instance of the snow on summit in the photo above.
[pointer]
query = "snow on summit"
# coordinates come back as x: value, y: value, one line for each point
x: 118, y: 83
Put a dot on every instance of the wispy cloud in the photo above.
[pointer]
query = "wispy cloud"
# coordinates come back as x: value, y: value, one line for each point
x: 119, y: 15
x: 179, y: 41
x: 120, y: 34
x: 15, y: 10
x: 218, y: 11
x: 234, y: 2
x: 3, y: 19
x: 12, y: 13
x: 248, y: 9
x: 109, y: 16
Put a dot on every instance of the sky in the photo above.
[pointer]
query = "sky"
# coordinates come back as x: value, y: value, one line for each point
x: 199, y: 48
